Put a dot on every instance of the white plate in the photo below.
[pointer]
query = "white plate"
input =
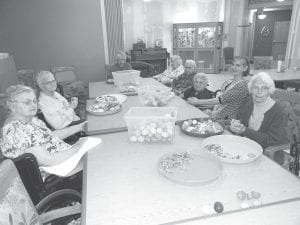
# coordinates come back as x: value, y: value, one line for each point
x: 236, y: 149
x: 120, y: 97
x: 202, y: 169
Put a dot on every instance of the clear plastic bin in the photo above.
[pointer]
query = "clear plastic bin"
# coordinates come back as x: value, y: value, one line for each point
x: 151, y: 124
x: 131, y: 77
x: 154, y: 95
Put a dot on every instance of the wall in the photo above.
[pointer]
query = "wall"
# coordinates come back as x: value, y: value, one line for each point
x: 153, y: 20
x: 41, y: 33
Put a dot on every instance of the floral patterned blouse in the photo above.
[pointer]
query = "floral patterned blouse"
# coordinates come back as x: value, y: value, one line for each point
x: 17, y: 136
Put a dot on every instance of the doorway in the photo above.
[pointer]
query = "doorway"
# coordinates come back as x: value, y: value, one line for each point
x: 271, y: 34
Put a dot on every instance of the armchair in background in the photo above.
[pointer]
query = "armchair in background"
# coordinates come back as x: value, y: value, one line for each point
x: 69, y: 86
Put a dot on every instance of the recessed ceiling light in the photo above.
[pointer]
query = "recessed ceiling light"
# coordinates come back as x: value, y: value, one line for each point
x: 262, y: 16
x: 280, y: 0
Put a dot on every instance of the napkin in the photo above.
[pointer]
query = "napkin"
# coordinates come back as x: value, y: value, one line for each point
x: 64, y: 168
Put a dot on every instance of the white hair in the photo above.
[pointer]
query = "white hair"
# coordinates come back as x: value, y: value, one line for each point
x: 42, y: 76
x: 177, y: 59
x: 201, y: 76
x: 190, y: 62
x: 266, y: 78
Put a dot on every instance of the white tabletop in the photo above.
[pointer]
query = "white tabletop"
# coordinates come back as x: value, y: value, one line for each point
x: 286, y: 213
x: 122, y: 184
x: 116, y: 122
x: 283, y: 76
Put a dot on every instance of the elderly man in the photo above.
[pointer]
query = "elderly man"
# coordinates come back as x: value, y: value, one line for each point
x: 58, y: 112
x: 185, y: 80
x: 120, y: 64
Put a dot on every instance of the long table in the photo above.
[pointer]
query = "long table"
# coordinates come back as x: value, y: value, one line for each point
x: 116, y: 122
x: 122, y: 184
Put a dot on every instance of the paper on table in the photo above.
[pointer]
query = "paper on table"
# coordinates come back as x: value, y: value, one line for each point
x: 68, y: 165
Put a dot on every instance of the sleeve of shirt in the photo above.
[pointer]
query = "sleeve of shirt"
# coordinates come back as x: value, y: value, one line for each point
x: 236, y: 93
x: 273, y: 134
x: 57, y: 118
x: 14, y: 140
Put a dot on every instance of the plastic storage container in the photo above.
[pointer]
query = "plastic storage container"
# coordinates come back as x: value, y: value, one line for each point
x: 151, y: 124
x: 154, y: 96
x: 131, y: 77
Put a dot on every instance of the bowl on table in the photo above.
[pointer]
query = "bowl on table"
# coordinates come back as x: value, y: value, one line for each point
x: 154, y: 96
x: 199, y: 127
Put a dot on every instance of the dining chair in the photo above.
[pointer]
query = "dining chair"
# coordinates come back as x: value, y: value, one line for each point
x: 290, y: 100
x: 16, y: 207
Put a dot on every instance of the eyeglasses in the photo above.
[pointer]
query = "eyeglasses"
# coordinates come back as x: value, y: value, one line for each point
x: 262, y: 89
x: 28, y: 102
x: 49, y: 82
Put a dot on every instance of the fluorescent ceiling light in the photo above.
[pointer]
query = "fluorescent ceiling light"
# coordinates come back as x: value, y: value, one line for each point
x: 280, y: 0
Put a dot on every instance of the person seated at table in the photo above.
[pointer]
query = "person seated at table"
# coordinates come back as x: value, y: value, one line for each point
x: 22, y: 132
x: 199, y: 89
x: 120, y: 64
x: 173, y: 72
x: 261, y: 118
x: 185, y: 80
x: 58, y: 112
x: 233, y: 93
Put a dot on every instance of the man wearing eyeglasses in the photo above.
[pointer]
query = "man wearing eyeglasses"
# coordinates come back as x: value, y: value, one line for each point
x: 57, y: 111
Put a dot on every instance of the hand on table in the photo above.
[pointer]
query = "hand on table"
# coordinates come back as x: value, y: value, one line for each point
x: 81, y: 126
x: 237, y: 127
x: 192, y: 100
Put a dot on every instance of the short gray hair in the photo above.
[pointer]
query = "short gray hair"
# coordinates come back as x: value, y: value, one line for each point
x: 201, y: 76
x: 42, y: 75
x: 177, y: 59
x: 13, y: 91
x: 120, y: 55
x: 190, y: 63
x: 266, y: 78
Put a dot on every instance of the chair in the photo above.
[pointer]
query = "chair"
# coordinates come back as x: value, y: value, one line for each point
x: 228, y: 57
x: 16, y: 206
x: 63, y: 73
x: 147, y: 69
x: 30, y: 174
x: 68, y: 87
x: 291, y: 103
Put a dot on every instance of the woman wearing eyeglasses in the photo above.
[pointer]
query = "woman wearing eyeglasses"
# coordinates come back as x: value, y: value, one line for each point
x: 261, y: 118
x: 23, y: 133
x: 58, y: 112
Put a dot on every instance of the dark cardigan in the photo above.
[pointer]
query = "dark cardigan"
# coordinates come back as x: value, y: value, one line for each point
x: 273, y: 127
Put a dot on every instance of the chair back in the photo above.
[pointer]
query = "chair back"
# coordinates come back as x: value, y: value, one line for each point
x: 291, y: 103
x: 16, y: 206
x: 228, y: 54
x: 30, y: 174
x: 147, y: 69
x: 63, y: 73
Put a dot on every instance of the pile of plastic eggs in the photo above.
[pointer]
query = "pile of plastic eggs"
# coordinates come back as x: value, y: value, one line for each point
x: 152, y: 131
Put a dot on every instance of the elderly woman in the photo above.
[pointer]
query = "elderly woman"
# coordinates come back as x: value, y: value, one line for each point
x: 58, y: 112
x: 261, y: 118
x: 185, y: 80
x: 171, y: 73
x: 199, y: 90
x: 120, y: 64
x: 23, y: 133
x: 233, y: 93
